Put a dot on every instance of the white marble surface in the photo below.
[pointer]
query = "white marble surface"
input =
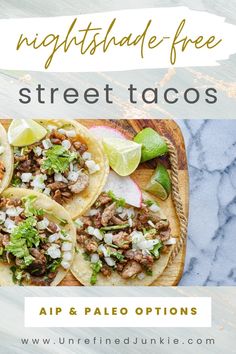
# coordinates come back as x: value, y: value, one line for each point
x: 211, y: 249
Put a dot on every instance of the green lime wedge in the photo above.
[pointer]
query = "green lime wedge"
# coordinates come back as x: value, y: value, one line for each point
x: 124, y: 155
x: 153, y: 144
x: 160, y: 183
x: 24, y: 132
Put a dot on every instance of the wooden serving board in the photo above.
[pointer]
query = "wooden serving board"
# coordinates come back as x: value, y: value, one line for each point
x: 168, y: 128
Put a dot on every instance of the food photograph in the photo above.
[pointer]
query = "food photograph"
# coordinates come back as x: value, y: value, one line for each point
x: 92, y: 202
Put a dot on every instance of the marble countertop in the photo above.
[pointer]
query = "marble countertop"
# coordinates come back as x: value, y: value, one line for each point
x: 211, y: 248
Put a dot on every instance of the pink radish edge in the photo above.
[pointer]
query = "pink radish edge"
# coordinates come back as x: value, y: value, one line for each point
x: 118, y: 185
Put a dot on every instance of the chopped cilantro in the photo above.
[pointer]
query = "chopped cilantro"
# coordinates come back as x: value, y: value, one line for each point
x: 120, y: 202
x: 118, y: 255
x: 17, y: 275
x: 30, y: 210
x: 156, y: 250
x: 16, y: 181
x: 1, y: 251
x: 52, y: 267
x: 149, y: 272
x: 148, y: 202
x: 58, y: 159
x: 24, y: 236
x: 96, y: 267
x: 86, y: 256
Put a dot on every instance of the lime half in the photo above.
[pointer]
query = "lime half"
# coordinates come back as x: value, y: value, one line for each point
x: 153, y: 144
x: 124, y: 155
x: 24, y: 132
x: 160, y: 183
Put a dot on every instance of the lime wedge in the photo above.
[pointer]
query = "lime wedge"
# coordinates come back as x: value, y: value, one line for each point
x: 24, y: 132
x: 153, y: 144
x: 160, y: 183
x: 124, y: 155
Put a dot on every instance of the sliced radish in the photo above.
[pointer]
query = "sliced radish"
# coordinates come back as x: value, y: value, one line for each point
x: 124, y: 187
x: 102, y: 131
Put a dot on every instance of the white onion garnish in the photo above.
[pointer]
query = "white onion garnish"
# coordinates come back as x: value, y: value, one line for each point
x: 94, y: 258
x: 109, y: 261
x: 171, y: 241
x: 66, y: 246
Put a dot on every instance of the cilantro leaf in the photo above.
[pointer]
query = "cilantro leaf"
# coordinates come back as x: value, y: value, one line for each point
x: 58, y: 159
x: 24, y: 236
x: 96, y: 267
x: 118, y: 255
x: 30, y: 210
x: 120, y: 202
x: 156, y: 250
x: 16, y: 181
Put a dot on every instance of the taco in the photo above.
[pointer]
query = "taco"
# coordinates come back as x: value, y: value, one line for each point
x: 68, y: 165
x: 122, y: 245
x: 6, y: 160
x: 37, y: 239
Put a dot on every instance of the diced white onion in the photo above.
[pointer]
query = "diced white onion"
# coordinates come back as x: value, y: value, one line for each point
x: 67, y: 256
x: 141, y: 276
x: 43, y: 224
x: 58, y: 177
x: 26, y: 177
x: 137, y: 236
x: 98, y: 234
x: 64, y: 237
x: 54, y: 237
x: 154, y: 208
x: 147, y: 244
x: 47, y: 144
x: 79, y: 222
x: 90, y: 230
x: 66, y: 144
x: 119, y: 210
x: 66, y: 246
x: 14, y: 211
x: 73, y: 176
x: 109, y: 261
x: 52, y: 127
x: 9, y: 225
x: 93, y: 212
x: 104, y: 250
x: 94, y: 258
x: 54, y: 251
x: 151, y: 223
x: 171, y: 241
x: 92, y: 166
x: 68, y: 133
x: 130, y: 222
x: 2, y: 216
x: 47, y: 191
x: 38, y: 151
x: 65, y: 265
x: 38, y: 181
x: 87, y: 155
x: 108, y: 238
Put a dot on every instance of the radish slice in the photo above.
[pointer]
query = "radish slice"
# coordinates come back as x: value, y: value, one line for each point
x: 102, y: 131
x: 124, y: 187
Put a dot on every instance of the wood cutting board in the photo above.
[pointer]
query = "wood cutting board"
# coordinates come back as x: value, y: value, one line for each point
x: 168, y: 128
